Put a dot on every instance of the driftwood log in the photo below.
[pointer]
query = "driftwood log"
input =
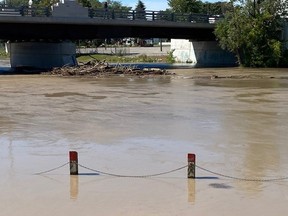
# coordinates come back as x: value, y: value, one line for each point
x: 97, y: 68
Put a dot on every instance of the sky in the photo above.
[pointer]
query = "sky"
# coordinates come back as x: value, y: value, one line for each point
x: 154, y: 5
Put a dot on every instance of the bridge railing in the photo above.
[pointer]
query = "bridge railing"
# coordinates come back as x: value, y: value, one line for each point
x: 152, y: 16
x: 115, y: 14
x: 24, y: 11
x: 10, y: 11
x: 35, y: 11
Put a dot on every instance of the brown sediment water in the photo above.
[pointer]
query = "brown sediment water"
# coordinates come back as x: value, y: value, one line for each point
x: 138, y: 126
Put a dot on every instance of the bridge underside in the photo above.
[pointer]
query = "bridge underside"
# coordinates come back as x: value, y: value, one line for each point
x: 37, y: 41
x: 37, y: 28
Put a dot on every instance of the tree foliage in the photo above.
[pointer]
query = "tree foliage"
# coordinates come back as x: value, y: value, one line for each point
x: 140, y: 6
x: 197, y: 6
x: 15, y: 3
x: 115, y: 5
x: 140, y: 10
x: 253, y: 31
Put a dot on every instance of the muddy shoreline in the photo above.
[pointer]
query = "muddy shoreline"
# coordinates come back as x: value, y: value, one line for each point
x: 234, y: 73
x: 105, y: 70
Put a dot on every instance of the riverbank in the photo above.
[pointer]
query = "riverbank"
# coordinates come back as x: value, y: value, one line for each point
x: 188, y: 71
x: 234, y: 73
x: 100, y: 69
x: 105, y: 69
x: 127, y: 51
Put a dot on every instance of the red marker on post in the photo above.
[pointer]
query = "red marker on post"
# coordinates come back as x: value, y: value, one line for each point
x: 191, y: 165
x: 73, y: 155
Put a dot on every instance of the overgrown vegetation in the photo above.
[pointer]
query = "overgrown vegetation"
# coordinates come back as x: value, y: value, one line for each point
x: 3, y: 54
x: 170, y: 57
x: 252, y: 30
x: 124, y: 59
x: 198, y: 6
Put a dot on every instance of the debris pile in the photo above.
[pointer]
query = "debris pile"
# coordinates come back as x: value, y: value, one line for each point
x: 97, y: 68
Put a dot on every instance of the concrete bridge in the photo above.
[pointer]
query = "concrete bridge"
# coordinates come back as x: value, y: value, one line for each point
x: 41, y: 37
x: 72, y: 21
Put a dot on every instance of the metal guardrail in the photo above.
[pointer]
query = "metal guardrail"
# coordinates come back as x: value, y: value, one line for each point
x: 25, y: 11
x: 115, y: 14
x: 154, y: 16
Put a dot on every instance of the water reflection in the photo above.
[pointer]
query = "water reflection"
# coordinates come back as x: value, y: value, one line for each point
x: 74, y: 187
x: 191, y: 190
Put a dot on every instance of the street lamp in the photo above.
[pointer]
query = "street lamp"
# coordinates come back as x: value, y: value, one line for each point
x: 30, y: 3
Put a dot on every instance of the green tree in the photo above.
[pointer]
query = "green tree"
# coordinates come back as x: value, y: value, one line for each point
x: 112, y: 5
x: 197, y: 6
x: 44, y: 3
x: 16, y: 3
x: 117, y: 5
x: 216, y: 8
x: 96, y: 4
x: 120, y: 10
x: 252, y: 32
x: 140, y: 10
x: 186, y: 6
x: 85, y: 3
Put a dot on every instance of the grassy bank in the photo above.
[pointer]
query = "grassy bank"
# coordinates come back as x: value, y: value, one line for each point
x: 3, y: 54
x: 125, y: 59
x: 113, y: 58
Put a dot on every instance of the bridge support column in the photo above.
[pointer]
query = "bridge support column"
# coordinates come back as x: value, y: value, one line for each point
x: 42, y: 55
x: 201, y: 53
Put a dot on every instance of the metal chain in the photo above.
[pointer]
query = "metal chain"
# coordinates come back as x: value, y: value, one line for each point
x: 133, y: 176
x: 241, y: 179
x: 167, y: 172
x: 50, y: 170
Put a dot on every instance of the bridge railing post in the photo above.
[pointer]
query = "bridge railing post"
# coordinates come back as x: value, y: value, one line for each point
x: 189, y: 18
x: 21, y: 10
x: 90, y: 12
x: 47, y: 11
x: 172, y: 17
x: 33, y: 12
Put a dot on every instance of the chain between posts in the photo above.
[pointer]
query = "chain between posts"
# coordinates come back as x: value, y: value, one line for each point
x: 50, y: 170
x: 241, y: 179
x: 167, y: 172
x: 133, y: 176
x: 112, y: 174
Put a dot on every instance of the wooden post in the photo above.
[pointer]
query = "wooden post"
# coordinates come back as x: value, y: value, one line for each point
x: 73, y: 155
x: 191, y: 165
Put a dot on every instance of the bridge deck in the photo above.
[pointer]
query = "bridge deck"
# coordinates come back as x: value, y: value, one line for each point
x: 28, y: 26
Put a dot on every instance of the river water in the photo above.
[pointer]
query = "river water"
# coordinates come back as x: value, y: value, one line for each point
x: 139, y: 126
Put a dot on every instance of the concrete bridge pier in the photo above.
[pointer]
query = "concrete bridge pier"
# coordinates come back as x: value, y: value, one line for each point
x: 201, y: 53
x: 42, y: 55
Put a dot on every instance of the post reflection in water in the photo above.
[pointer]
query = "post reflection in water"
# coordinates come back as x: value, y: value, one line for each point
x: 191, y: 190
x: 74, y: 187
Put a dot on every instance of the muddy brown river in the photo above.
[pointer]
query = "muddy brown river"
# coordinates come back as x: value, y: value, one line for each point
x: 131, y: 126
